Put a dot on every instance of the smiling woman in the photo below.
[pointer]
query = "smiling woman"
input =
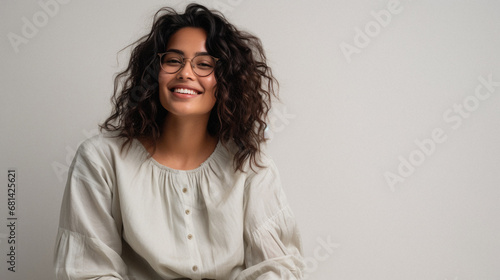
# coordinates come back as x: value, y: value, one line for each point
x: 184, y: 93
x: 176, y: 186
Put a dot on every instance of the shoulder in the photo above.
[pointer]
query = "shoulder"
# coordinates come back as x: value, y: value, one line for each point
x: 102, y: 140
x: 263, y: 186
x: 103, y: 147
x: 264, y: 162
x: 266, y: 169
x: 101, y: 157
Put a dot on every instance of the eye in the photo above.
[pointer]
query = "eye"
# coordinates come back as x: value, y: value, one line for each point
x: 172, y: 61
x: 204, y: 65
x: 204, y: 62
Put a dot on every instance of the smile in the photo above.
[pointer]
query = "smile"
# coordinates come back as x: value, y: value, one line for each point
x: 185, y: 91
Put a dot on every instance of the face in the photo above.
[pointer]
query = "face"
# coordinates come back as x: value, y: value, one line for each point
x: 176, y: 90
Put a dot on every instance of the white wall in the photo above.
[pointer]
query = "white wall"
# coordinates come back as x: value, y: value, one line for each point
x: 345, y: 122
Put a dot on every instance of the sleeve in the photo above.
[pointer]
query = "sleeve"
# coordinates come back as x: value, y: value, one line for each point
x: 88, y: 244
x: 272, y: 240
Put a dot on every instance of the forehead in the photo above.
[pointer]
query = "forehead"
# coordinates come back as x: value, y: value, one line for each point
x: 188, y: 40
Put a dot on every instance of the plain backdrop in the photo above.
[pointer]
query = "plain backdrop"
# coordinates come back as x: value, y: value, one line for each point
x: 386, y: 137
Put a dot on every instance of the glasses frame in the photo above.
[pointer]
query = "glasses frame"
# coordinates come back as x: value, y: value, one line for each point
x: 184, y: 59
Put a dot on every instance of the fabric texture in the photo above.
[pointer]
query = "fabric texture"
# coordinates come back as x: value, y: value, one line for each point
x: 126, y: 216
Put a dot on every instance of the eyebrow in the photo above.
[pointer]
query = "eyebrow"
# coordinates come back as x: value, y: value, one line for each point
x: 182, y: 53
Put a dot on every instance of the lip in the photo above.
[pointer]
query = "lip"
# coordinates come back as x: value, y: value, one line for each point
x: 184, y: 96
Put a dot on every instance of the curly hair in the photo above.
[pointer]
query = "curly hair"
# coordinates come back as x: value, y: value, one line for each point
x: 245, y: 84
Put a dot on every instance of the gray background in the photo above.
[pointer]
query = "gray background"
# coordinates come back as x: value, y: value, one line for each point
x: 343, y: 123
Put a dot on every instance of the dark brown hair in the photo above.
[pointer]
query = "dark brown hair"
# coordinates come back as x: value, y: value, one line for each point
x: 245, y: 84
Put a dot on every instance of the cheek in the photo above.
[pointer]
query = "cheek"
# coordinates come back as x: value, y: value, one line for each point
x: 163, y: 79
x: 213, y: 88
x: 162, y: 89
x: 211, y: 85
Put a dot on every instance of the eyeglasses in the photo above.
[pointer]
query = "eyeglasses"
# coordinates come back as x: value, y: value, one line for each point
x: 202, y: 64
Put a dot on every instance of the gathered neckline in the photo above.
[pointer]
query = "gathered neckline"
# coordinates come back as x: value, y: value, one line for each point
x: 164, y: 167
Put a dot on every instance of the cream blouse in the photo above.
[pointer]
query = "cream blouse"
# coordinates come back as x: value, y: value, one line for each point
x: 126, y: 216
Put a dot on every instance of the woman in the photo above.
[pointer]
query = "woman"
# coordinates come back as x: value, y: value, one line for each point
x: 176, y: 187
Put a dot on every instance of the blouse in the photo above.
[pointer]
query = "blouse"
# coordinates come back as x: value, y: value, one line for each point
x: 126, y: 216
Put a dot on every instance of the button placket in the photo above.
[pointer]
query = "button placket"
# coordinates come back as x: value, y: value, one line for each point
x: 188, y: 220
x: 188, y: 197
x: 191, y: 243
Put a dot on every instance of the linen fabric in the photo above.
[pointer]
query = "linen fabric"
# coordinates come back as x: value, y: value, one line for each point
x: 126, y: 216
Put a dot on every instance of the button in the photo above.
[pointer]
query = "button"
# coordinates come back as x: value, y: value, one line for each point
x: 187, y: 211
x: 184, y: 190
x: 195, y: 268
x: 190, y: 236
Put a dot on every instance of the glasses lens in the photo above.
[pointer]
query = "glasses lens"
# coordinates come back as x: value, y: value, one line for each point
x: 203, y: 65
x: 171, y: 62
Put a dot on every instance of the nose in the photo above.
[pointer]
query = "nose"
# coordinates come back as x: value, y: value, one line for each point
x: 186, y: 71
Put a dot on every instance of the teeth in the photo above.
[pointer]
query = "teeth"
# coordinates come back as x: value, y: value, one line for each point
x: 185, y: 91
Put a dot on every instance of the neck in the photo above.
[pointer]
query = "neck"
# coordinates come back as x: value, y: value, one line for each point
x: 184, y: 143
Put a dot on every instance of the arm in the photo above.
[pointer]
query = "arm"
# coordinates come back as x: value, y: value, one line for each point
x: 273, y: 246
x: 88, y: 243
